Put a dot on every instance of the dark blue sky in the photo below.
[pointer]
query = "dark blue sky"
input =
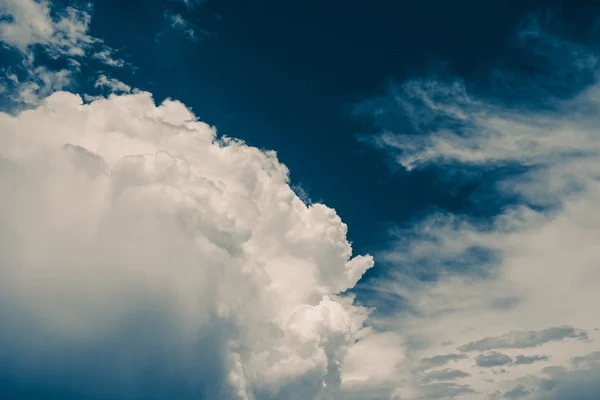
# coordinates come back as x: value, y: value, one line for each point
x: 287, y: 76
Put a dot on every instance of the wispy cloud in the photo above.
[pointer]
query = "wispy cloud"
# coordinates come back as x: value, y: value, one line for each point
x: 114, y: 85
x: 526, y: 277
x: 178, y: 23
x: 30, y: 27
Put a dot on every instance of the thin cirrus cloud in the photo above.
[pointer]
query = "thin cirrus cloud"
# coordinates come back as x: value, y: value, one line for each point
x: 539, y: 250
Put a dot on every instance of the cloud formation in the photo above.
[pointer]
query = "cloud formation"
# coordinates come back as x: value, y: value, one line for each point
x: 32, y: 28
x: 136, y: 243
x: 520, y: 340
x: 521, y: 280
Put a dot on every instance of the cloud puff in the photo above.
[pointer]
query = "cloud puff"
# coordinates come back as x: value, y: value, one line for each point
x: 31, y: 23
x: 112, y: 84
x: 142, y: 256
x: 521, y: 359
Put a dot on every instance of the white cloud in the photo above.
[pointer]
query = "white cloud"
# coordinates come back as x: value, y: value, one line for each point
x: 129, y: 226
x: 29, y: 27
x: 29, y: 23
x: 114, y: 85
x: 530, y: 277
x: 178, y: 23
x: 106, y: 56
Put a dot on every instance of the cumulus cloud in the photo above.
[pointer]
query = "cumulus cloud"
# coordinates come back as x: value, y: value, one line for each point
x: 525, y: 278
x: 142, y: 256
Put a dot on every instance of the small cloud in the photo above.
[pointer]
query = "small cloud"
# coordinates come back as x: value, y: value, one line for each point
x: 106, y: 57
x: 445, y: 375
x: 40, y: 83
x: 524, y: 360
x: 178, y: 23
x: 439, y: 360
x: 492, y: 359
x: 114, y: 85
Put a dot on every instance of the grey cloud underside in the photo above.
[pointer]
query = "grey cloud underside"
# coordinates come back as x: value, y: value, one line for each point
x: 440, y: 360
x: 492, y: 359
x: 518, y: 392
x: 526, y: 339
x: 445, y: 375
x: 525, y: 360
x: 444, y: 390
x: 579, y: 379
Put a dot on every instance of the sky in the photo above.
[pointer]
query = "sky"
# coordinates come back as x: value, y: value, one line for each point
x: 214, y: 199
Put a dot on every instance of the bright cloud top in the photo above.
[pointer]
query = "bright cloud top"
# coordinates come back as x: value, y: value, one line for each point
x: 129, y: 226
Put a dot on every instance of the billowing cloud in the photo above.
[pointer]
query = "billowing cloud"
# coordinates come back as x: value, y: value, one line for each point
x: 142, y: 255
